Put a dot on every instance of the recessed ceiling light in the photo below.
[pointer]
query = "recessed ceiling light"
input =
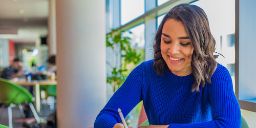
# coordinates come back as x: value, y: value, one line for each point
x: 21, y: 11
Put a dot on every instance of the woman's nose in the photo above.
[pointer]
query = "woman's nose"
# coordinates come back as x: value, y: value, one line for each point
x: 174, y: 48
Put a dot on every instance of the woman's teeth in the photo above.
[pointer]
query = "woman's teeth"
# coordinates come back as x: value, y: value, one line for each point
x: 174, y: 59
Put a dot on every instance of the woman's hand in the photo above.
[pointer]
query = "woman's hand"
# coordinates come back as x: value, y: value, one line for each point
x: 118, y: 125
x: 155, y: 126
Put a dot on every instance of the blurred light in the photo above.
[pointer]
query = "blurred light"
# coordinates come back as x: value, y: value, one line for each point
x: 24, y: 50
x: 21, y: 11
x: 35, y: 52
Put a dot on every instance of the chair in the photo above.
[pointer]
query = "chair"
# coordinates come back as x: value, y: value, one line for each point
x: 142, y: 117
x: 50, y: 92
x: 2, y: 126
x: 12, y: 94
x: 49, y: 89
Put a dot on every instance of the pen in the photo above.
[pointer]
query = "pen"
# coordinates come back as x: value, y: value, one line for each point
x: 122, y: 118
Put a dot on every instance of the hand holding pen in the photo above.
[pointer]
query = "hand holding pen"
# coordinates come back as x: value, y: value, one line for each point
x: 124, y: 124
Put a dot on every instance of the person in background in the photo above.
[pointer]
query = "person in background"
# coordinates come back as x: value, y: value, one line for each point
x: 15, y: 70
x: 51, y: 67
x: 51, y: 71
x: 183, y: 86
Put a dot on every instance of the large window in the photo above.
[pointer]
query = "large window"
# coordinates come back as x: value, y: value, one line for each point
x: 223, y: 30
x: 160, y: 2
x: 138, y: 36
x: 137, y: 41
x: 247, y: 54
x: 130, y: 9
x: 236, y: 43
x: 159, y: 20
x: 141, y: 27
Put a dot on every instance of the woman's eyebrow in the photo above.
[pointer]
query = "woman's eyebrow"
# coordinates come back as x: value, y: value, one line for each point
x: 166, y: 35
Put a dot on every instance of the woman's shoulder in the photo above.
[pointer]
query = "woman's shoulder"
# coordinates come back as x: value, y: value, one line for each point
x: 220, y: 71
x: 221, y: 81
x: 148, y: 64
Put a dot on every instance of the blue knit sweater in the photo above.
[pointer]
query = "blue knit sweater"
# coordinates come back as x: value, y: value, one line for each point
x: 168, y: 100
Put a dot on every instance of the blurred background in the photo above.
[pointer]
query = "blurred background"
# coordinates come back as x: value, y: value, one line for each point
x: 94, y: 45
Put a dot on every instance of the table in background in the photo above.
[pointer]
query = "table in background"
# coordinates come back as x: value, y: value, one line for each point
x: 37, y: 85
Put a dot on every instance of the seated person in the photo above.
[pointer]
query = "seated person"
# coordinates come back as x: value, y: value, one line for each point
x: 52, y: 64
x: 51, y: 67
x: 183, y: 86
x: 13, y: 71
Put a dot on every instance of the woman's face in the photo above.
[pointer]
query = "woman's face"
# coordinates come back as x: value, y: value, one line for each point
x: 176, y: 48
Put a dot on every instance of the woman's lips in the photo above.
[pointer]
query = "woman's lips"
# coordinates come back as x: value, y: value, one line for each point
x: 176, y: 60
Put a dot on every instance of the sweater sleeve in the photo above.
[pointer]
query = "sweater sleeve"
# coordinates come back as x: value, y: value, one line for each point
x: 225, y: 108
x: 125, y: 98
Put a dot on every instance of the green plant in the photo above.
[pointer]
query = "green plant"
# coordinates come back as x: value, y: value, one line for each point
x: 130, y: 57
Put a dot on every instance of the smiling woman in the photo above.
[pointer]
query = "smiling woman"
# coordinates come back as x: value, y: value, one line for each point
x: 183, y: 86
x: 176, y: 48
x: 192, y: 32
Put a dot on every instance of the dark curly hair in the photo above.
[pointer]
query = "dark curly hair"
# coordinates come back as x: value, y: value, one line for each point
x: 196, y: 24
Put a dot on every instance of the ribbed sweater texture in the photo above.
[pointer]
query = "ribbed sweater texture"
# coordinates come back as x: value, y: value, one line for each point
x: 169, y: 100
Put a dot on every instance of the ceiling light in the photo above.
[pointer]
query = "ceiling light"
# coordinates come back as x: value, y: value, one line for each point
x: 21, y: 11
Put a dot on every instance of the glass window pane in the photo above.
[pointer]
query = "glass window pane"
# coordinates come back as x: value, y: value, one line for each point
x: 130, y: 9
x: 159, y: 2
x: 223, y: 30
x: 159, y: 20
x: 137, y: 42
x: 137, y: 35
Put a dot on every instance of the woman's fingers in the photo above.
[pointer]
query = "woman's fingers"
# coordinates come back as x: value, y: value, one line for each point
x: 119, y: 125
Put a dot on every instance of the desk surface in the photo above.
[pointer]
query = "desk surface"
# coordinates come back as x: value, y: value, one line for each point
x: 34, y: 83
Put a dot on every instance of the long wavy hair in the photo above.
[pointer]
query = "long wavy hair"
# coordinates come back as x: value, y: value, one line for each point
x: 196, y: 25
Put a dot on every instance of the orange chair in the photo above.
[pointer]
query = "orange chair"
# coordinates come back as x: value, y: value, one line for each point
x: 143, y: 119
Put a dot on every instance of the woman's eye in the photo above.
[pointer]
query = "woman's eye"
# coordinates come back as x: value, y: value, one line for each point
x: 185, y: 43
x: 167, y: 41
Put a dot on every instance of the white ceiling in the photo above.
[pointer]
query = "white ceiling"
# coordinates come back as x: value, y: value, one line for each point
x: 28, y: 18
x: 13, y: 9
